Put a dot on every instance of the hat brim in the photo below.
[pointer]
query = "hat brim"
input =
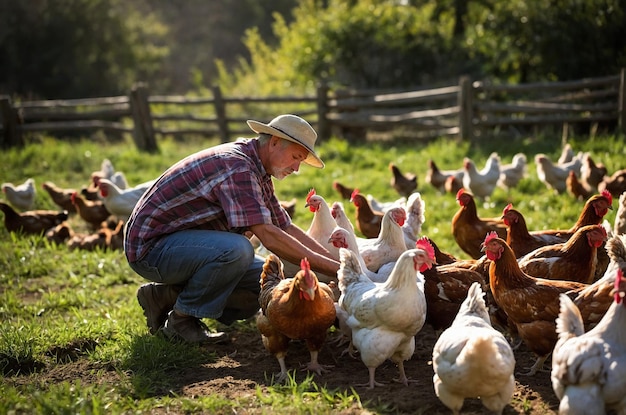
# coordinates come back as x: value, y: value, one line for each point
x: 312, y: 159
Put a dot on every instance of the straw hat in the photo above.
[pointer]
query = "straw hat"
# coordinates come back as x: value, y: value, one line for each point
x: 292, y: 128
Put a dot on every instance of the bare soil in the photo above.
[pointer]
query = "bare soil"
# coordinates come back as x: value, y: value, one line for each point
x: 243, y: 365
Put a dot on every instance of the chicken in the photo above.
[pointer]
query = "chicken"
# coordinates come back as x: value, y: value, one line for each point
x: 523, y: 241
x: 403, y: 183
x: 104, y: 239
x: 468, y: 229
x: 121, y: 202
x: 614, y: 184
x: 530, y: 303
x: 619, y: 226
x: 60, y: 196
x: 473, y: 360
x: 554, y: 175
x: 481, y: 183
x: 574, y: 260
x: 412, y: 228
x: 21, y: 196
x: 298, y: 308
x: 453, y: 184
x: 389, y: 244
x: 576, y: 188
x: 91, y: 211
x: 445, y: 288
x: 567, y: 154
x: 60, y: 233
x: 381, y: 206
x: 591, y: 174
x: 519, y: 238
x: 368, y: 221
x: 589, y: 368
x: 344, y: 191
x: 511, y: 174
x: 437, y: 178
x: 34, y: 222
x: 106, y: 170
x: 385, y: 317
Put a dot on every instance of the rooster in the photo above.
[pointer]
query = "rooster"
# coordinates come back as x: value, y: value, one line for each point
x: 530, y: 303
x: 60, y: 196
x: 403, y: 183
x: 473, y: 360
x: 468, y: 229
x: 298, y: 308
x: 437, y: 178
x: 368, y: 221
x: 33, y: 222
x: 554, y: 175
x: 21, y: 196
x: 574, y: 260
x: 589, y: 369
x: 481, y: 183
x: 511, y: 174
x: 385, y: 317
x: 121, y: 202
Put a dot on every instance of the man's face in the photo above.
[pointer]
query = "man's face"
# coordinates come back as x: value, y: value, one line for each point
x: 285, y: 157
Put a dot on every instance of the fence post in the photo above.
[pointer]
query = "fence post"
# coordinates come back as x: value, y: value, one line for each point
x: 143, y: 130
x: 465, y: 108
x: 621, y: 116
x: 11, y: 132
x: 323, y: 124
x: 220, y: 112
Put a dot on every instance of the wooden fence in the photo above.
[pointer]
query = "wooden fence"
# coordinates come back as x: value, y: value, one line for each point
x: 465, y: 110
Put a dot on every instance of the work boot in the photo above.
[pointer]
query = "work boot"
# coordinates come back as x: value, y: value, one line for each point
x: 157, y: 300
x: 191, y: 329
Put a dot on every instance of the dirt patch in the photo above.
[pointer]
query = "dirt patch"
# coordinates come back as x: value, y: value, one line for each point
x: 243, y: 365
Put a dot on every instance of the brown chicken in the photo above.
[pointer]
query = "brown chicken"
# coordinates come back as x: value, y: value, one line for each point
x: 344, y: 191
x: 591, y: 173
x: 60, y: 233
x: 91, y: 211
x: 574, y: 260
x: 35, y: 222
x: 614, y: 184
x: 403, y: 183
x: 298, y: 308
x: 367, y: 220
x: 105, y: 239
x: 437, y: 178
x: 576, y: 188
x: 531, y: 304
x: 469, y: 230
x: 62, y: 197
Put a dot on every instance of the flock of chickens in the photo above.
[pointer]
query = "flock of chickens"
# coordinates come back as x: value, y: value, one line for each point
x: 104, y: 205
x: 560, y: 292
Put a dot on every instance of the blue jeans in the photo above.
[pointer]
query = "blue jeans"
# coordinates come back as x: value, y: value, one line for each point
x: 209, y: 266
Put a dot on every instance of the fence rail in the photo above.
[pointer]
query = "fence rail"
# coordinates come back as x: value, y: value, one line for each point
x: 466, y: 110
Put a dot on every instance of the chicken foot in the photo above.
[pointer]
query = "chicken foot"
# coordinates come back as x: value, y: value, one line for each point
x: 403, y: 378
x: 538, y: 366
x: 314, y: 366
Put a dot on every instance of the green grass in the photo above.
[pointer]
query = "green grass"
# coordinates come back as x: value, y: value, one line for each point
x: 58, y: 305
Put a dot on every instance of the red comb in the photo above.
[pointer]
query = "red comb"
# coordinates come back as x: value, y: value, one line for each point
x: 460, y: 192
x: 608, y: 196
x: 354, y: 193
x: 304, y: 264
x: 311, y: 193
x: 491, y: 236
x: 507, y: 208
x: 423, y: 243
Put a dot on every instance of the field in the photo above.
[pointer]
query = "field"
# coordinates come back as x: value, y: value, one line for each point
x: 73, y: 338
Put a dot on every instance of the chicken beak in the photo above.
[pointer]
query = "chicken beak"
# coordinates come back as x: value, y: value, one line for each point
x: 310, y: 292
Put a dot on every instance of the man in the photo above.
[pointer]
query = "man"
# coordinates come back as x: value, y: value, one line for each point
x: 186, y: 233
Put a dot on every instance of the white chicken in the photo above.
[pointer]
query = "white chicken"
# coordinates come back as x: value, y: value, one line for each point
x: 389, y: 244
x: 415, y: 208
x: 567, y: 154
x: 384, y: 206
x: 511, y: 174
x: 21, y: 196
x: 320, y: 229
x: 385, y: 317
x: 554, y: 176
x: 589, y: 369
x: 120, y: 202
x: 481, y: 183
x: 471, y: 359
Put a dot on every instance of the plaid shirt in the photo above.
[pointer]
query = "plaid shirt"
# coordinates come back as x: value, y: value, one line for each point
x: 222, y: 188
